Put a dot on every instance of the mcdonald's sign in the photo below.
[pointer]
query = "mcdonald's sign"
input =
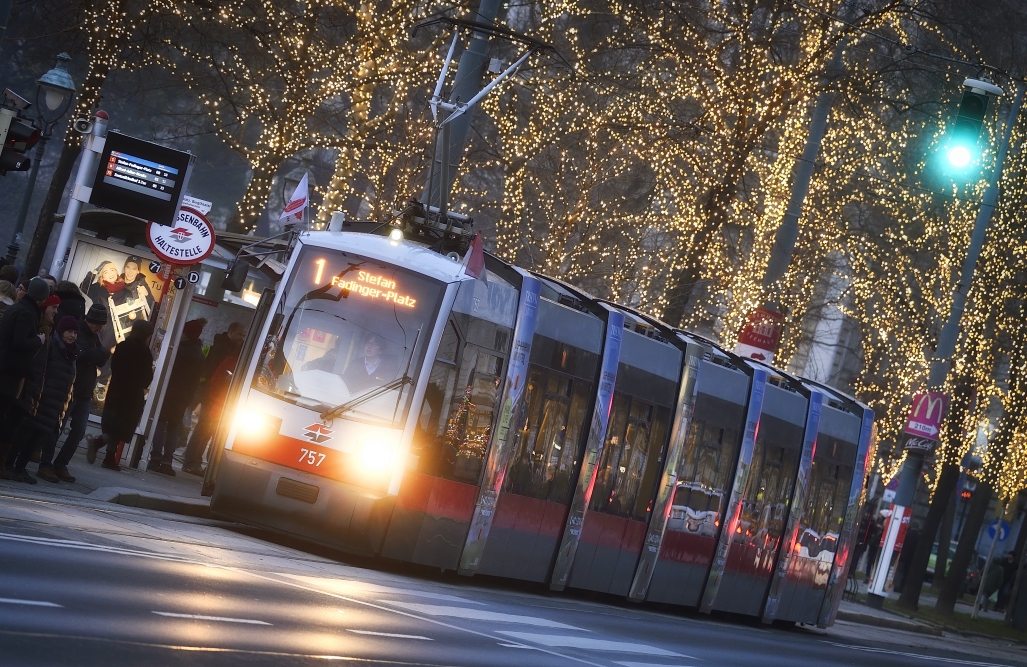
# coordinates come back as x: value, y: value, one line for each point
x: 926, y: 414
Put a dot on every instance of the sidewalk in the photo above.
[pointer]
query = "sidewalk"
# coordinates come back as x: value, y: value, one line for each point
x: 131, y: 486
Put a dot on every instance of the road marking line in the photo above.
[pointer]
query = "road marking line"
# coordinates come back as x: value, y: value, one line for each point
x: 222, y: 619
x: 587, y: 643
x: 354, y: 587
x: 31, y: 603
x: 390, y: 634
x: 479, y: 615
x: 954, y: 661
x: 646, y: 664
x: 530, y: 648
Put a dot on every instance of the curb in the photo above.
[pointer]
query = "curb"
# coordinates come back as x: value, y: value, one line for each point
x: 193, y: 507
x: 892, y: 623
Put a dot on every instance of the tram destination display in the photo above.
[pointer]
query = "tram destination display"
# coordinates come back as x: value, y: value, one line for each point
x: 140, y: 178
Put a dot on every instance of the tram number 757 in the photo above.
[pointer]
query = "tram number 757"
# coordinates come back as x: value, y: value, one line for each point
x: 311, y: 457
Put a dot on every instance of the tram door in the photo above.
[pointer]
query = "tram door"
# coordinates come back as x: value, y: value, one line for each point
x: 704, y: 484
x: 436, y: 500
x: 752, y: 555
x: 630, y: 466
x: 549, y: 438
x: 813, y: 545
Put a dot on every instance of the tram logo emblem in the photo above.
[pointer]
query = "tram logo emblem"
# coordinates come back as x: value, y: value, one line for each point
x: 317, y: 433
x: 180, y: 234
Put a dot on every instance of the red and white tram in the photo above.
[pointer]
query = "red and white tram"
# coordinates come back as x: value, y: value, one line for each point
x: 517, y: 427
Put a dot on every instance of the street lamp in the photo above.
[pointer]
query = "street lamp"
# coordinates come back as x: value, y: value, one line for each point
x: 54, y: 91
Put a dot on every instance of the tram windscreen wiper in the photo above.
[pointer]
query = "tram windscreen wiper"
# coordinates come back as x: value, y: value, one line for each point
x: 363, y: 398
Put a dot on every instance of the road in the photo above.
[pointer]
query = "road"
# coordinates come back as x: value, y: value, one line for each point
x: 87, y: 583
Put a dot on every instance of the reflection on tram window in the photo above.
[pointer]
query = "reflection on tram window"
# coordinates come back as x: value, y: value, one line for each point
x: 631, y: 459
x: 821, y: 519
x: 548, y: 437
x: 459, y: 407
x: 708, y: 462
x: 769, y: 487
x: 353, y: 338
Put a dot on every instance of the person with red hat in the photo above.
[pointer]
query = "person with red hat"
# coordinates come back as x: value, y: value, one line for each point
x: 182, y: 384
x: 58, y: 383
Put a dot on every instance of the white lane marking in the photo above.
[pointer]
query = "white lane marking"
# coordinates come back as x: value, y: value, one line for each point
x: 221, y: 619
x: 353, y: 587
x: 647, y: 664
x: 479, y: 615
x: 31, y: 603
x: 587, y: 643
x: 934, y: 658
x: 530, y: 648
x: 390, y: 634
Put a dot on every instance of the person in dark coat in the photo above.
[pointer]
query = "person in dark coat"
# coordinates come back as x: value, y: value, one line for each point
x: 73, y: 302
x: 131, y: 374
x: 23, y: 441
x: 178, y: 396
x: 20, y: 340
x: 92, y: 355
x: 8, y: 295
x: 57, y: 386
x: 226, y: 346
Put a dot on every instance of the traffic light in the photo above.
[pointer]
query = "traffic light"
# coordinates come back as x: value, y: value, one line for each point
x: 18, y: 138
x: 962, y: 147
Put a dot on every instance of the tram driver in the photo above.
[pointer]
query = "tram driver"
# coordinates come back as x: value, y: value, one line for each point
x: 371, y: 369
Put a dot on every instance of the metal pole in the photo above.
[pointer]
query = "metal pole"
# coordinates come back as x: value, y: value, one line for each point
x: 987, y: 562
x: 942, y: 359
x: 19, y: 226
x: 83, y: 182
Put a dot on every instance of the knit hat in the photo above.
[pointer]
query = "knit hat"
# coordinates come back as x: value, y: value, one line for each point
x: 52, y: 300
x: 97, y: 314
x: 141, y: 329
x: 38, y: 290
x: 192, y: 329
x: 67, y: 323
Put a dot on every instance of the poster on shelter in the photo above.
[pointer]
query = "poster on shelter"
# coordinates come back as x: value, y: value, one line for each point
x: 121, y: 282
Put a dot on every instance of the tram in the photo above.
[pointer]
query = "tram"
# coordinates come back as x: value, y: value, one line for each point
x: 515, y: 426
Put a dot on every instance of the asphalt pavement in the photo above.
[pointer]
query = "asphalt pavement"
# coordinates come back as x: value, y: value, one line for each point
x: 90, y: 583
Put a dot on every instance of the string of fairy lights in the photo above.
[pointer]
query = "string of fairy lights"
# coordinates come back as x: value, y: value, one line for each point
x: 658, y: 165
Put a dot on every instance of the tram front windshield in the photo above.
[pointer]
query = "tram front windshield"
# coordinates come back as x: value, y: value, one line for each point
x: 349, y: 331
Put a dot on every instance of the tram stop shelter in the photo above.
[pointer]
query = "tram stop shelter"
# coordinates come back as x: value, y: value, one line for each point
x: 113, y: 265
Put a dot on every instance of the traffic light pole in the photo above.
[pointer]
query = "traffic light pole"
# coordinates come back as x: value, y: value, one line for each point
x: 19, y: 226
x: 942, y: 360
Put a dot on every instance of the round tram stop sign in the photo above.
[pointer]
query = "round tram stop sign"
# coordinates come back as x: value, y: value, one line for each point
x: 188, y: 241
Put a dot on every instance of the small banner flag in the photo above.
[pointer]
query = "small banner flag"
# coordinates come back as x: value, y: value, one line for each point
x: 295, y: 212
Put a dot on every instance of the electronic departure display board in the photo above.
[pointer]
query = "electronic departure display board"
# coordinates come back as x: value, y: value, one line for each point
x: 140, y: 178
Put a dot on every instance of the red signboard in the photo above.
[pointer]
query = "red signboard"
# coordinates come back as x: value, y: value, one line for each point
x: 760, y: 335
x: 926, y: 414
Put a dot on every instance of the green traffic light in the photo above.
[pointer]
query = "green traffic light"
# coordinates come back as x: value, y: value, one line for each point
x: 959, y: 156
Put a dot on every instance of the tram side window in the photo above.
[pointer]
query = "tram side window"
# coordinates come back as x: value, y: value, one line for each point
x: 459, y: 406
x: 632, y: 457
x: 827, y: 500
x: 702, y: 487
x: 769, y: 487
x: 547, y: 438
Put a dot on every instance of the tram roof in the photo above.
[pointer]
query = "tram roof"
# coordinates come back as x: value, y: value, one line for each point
x: 407, y: 254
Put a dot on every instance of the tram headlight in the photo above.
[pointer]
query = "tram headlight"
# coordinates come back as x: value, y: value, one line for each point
x: 251, y: 422
x: 376, y: 457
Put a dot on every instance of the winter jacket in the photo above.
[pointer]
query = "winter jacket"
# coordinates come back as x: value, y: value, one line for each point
x: 91, y: 356
x: 58, y: 383
x: 222, y: 348
x: 72, y: 304
x: 131, y: 374
x: 185, y: 377
x: 28, y: 401
x: 19, y: 343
